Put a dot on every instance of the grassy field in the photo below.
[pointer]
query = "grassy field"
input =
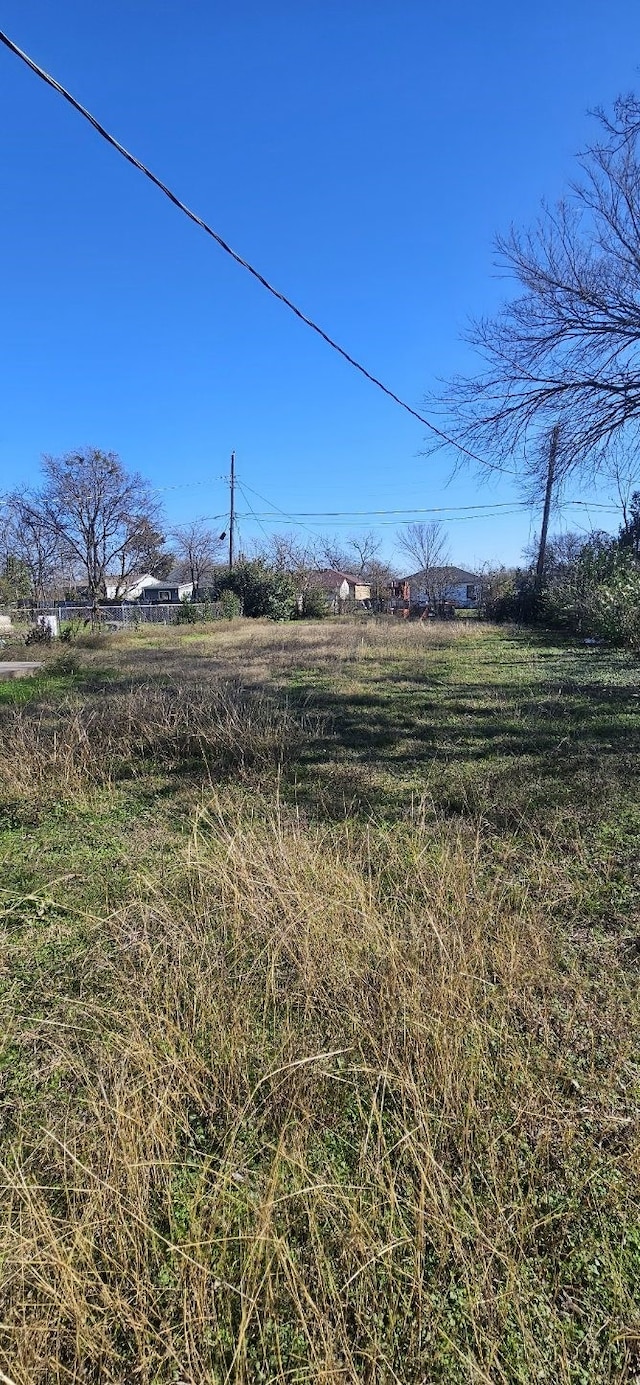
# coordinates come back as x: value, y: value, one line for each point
x: 319, y: 1011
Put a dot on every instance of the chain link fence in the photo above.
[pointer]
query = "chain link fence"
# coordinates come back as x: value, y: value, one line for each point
x: 116, y: 616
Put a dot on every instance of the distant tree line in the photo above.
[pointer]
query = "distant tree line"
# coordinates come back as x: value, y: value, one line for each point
x: 92, y: 525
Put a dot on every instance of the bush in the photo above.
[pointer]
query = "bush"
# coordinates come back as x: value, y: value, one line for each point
x: 230, y: 605
x: 66, y: 664
x: 314, y: 604
x: 39, y: 634
x: 596, y: 593
x: 511, y: 596
x: 72, y: 629
x: 613, y: 607
x: 262, y: 590
x: 186, y: 613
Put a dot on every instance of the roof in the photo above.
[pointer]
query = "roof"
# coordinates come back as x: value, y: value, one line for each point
x: 452, y: 576
x: 330, y: 578
x: 147, y: 579
x: 129, y: 579
x: 173, y: 580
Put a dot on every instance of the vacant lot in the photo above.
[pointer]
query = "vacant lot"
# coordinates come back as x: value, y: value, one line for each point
x: 319, y: 1010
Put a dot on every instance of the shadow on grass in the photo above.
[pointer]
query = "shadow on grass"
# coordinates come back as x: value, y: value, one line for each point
x: 502, y: 748
x: 506, y: 728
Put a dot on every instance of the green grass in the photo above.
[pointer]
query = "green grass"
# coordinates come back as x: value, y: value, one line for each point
x: 17, y: 692
x: 319, y: 1004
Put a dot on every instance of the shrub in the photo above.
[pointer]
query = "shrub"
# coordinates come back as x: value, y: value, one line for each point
x: 72, y: 629
x: 66, y: 664
x: 230, y: 604
x: 613, y: 610
x: 186, y: 614
x: 39, y: 634
x: 314, y: 604
x: 262, y: 590
x: 208, y: 609
x: 511, y: 596
x: 597, y: 595
x: 596, y: 591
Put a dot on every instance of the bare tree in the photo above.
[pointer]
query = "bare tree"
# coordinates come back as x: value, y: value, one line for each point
x: 299, y: 557
x: 99, y: 514
x: 565, y: 349
x: 365, y: 549
x: 31, y: 543
x: 629, y: 537
x: 289, y: 552
x: 14, y: 577
x: 353, y: 555
x: 427, y: 544
x: 378, y: 575
x: 562, y: 552
x: 198, y: 551
x: 624, y: 474
x: 332, y: 552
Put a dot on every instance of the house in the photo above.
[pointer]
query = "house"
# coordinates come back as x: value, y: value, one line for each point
x: 341, y: 588
x: 165, y: 591
x: 126, y: 588
x: 438, y: 586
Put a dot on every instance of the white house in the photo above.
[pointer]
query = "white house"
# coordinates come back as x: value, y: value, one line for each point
x: 127, y: 588
x: 143, y: 587
x: 453, y: 585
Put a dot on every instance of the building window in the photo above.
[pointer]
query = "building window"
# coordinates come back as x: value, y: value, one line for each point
x: 164, y: 596
x: 471, y: 592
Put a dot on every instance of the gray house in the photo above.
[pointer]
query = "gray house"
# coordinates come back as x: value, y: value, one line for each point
x: 167, y: 591
x: 444, y: 585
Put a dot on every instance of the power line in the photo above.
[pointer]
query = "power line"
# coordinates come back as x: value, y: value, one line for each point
x: 364, y: 514
x: 284, y: 513
x: 284, y: 519
x: 188, y: 485
x: 244, y: 264
x: 354, y: 514
x: 253, y: 513
x: 490, y: 509
x: 289, y: 520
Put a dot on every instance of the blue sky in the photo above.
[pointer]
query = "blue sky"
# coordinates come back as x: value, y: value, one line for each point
x: 362, y: 154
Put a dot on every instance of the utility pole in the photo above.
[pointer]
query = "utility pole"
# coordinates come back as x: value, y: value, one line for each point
x: 232, y: 507
x: 551, y: 470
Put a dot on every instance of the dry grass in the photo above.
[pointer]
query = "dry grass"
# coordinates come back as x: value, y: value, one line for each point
x: 70, y: 747
x: 347, y: 1101
x: 319, y: 1125
x: 252, y: 650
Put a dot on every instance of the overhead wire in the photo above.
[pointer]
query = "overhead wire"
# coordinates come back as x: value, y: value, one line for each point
x: 255, y: 516
x: 452, y: 514
x: 448, y: 512
x: 239, y: 259
x: 288, y: 517
x: 282, y: 518
x: 188, y: 485
x: 405, y: 510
